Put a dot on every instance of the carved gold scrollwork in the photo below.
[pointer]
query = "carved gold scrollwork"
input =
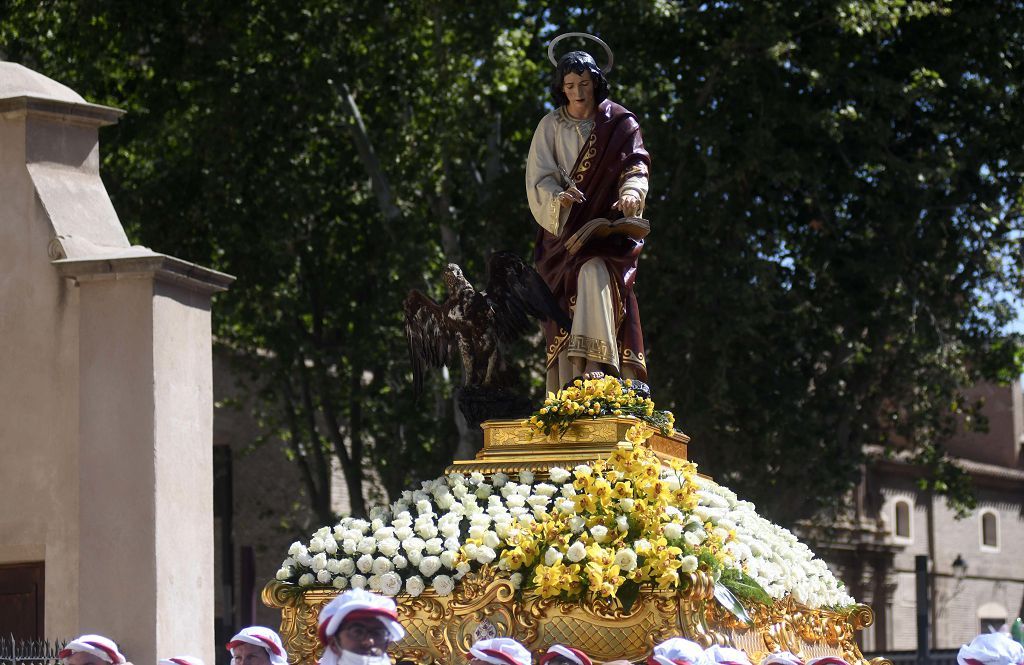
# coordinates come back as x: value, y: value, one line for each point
x: 440, y: 629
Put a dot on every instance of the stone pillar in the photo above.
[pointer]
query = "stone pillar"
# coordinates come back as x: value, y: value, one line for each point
x: 109, y: 403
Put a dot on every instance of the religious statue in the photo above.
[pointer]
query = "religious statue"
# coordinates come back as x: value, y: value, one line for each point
x: 588, y: 166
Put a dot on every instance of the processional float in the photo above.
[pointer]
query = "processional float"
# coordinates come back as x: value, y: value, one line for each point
x: 585, y: 523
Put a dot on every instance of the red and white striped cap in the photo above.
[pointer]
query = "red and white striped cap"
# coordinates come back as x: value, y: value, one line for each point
x: 261, y: 636
x: 781, y: 658
x: 726, y: 655
x: 500, y: 651
x: 181, y: 660
x: 570, y: 654
x: 678, y: 651
x: 97, y: 645
x: 991, y: 649
x: 359, y: 604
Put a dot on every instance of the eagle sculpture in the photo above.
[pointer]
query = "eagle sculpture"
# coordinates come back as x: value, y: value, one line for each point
x: 475, y: 325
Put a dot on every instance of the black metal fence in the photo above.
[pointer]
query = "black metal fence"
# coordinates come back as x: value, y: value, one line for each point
x: 936, y: 657
x: 29, y: 652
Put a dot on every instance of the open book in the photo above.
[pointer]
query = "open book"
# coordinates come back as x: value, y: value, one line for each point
x: 634, y: 227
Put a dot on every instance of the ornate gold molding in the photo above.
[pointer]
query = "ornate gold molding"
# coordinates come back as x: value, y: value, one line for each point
x: 440, y: 629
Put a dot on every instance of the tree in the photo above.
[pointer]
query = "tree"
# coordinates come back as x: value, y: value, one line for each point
x: 835, y: 197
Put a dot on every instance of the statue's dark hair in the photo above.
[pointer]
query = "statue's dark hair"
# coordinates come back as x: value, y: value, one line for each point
x: 578, y: 62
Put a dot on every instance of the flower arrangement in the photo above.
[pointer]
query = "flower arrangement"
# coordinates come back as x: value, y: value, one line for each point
x: 596, y: 397
x: 604, y: 529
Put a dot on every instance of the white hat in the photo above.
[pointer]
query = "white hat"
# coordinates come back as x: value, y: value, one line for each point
x: 97, y: 645
x: 678, y: 651
x: 501, y: 651
x: 358, y: 604
x: 782, y: 658
x: 569, y: 653
x: 181, y: 660
x: 991, y: 649
x: 726, y: 655
x: 261, y: 636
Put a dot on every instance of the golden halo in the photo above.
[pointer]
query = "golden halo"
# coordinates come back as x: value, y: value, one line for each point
x: 551, y: 48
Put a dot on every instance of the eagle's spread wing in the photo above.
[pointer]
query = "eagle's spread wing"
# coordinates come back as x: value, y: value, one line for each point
x: 515, y: 292
x: 425, y: 330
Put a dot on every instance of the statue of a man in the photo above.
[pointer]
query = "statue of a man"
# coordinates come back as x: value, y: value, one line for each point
x: 587, y: 161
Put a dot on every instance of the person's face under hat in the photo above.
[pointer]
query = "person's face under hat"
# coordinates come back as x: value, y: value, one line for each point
x: 365, y: 636
x: 249, y: 654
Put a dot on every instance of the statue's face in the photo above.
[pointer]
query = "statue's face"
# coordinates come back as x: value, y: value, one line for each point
x: 579, y: 90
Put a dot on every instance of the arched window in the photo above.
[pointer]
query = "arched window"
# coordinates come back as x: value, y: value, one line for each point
x: 989, y: 531
x: 901, y: 521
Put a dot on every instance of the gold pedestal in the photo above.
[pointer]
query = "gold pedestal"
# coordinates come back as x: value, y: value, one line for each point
x: 511, y: 446
x: 441, y: 629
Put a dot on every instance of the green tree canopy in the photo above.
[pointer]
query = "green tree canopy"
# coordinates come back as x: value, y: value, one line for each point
x: 836, y: 198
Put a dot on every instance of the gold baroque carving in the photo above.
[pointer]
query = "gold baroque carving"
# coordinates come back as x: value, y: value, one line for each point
x: 440, y: 628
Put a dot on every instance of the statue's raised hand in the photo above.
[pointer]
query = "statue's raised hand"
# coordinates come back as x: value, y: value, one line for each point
x: 629, y: 204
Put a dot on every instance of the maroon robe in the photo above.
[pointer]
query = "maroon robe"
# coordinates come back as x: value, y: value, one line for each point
x: 613, y: 151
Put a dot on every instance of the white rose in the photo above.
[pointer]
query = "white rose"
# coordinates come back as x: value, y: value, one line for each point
x: 334, y: 566
x: 552, y: 556
x: 382, y: 565
x: 499, y: 479
x: 544, y: 489
x: 365, y: 563
x: 376, y: 523
x: 399, y: 561
x: 288, y: 561
x: 515, y: 501
x: 448, y: 559
x: 627, y: 505
x: 414, y: 557
x: 524, y: 490
x: 445, y: 501
x: 348, y: 545
x: 284, y: 573
x: 423, y: 507
x: 322, y: 531
x: 491, y: 539
x: 558, y: 474
x: 526, y: 477
x: 577, y: 524
x: 413, y: 545
x: 599, y: 532
x: 373, y: 581
x: 323, y: 577
x: 304, y: 559
x: 622, y: 523
x: 307, y: 580
x: 483, y: 491
x: 319, y: 562
x: 430, y: 565
x: 347, y: 567
x: 461, y: 570
x: 582, y: 471
x: 673, y: 531
x: 296, y: 549
x: 485, y: 555
x: 362, y: 525
x: 538, y: 501
x: 450, y: 530
x: 340, y: 582
x: 414, y: 586
x: 434, y: 546
x: 460, y: 491
x: 390, y: 584
x: 443, y: 585
x: 625, y: 559
x: 388, y: 546
x: 516, y: 580
x: 452, y: 544
x: 367, y: 545
x: 576, y: 552
x: 476, y: 477
x: 384, y: 532
x: 426, y: 530
x: 642, y: 546
x: 688, y: 564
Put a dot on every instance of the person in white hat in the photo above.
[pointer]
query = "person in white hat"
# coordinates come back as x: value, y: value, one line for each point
x: 559, y: 654
x: 91, y: 650
x: 256, y: 645
x: 726, y: 655
x: 678, y: 651
x: 499, y: 651
x: 781, y: 658
x: 181, y: 660
x: 991, y: 649
x: 357, y: 627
